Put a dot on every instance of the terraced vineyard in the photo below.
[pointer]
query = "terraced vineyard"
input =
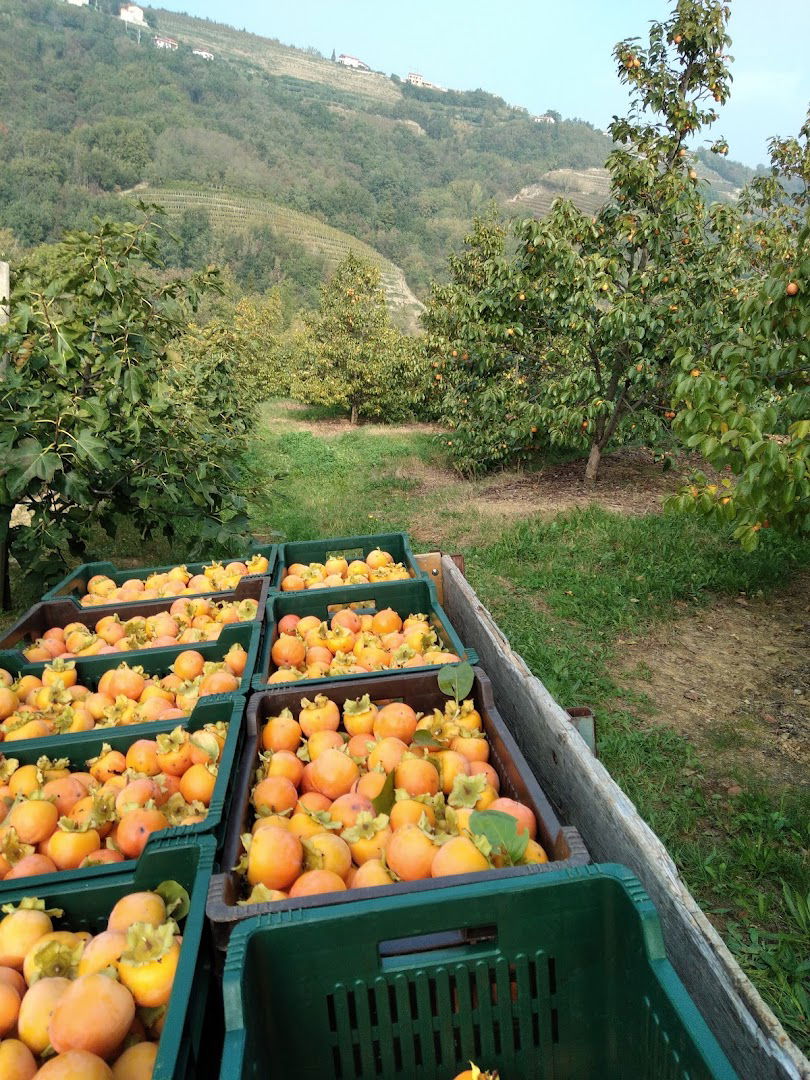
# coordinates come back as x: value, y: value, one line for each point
x: 231, y: 212
x: 589, y: 189
x: 273, y: 57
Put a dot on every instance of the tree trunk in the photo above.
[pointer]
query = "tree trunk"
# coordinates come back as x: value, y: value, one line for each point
x: 592, y: 468
x: 353, y: 419
x: 5, y: 543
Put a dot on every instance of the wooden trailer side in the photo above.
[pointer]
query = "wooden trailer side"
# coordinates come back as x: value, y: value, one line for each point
x: 587, y: 796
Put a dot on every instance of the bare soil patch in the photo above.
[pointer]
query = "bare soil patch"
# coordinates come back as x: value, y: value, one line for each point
x: 735, y: 680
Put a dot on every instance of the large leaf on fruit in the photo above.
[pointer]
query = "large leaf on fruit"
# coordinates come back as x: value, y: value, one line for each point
x: 501, y: 830
x: 386, y: 799
x: 176, y: 899
x: 456, y: 680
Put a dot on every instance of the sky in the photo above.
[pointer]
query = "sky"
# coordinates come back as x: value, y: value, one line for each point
x: 546, y: 54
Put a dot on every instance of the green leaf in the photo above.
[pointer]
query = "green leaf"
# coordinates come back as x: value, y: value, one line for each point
x: 176, y: 899
x: 92, y: 448
x: 387, y: 797
x: 501, y: 830
x: 456, y: 680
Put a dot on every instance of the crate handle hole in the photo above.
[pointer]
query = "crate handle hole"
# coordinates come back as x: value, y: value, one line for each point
x: 398, y: 950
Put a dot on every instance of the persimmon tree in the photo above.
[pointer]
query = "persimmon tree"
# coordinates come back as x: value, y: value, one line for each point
x: 349, y: 354
x: 744, y: 403
x: 97, y: 420
x: 590, y: 311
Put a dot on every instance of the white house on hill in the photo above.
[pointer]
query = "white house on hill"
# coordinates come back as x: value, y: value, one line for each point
x: 131, y: 13
x: 79, y: 3
x: 352, y: 62
x: 204, y: 53
x: 165, y: 43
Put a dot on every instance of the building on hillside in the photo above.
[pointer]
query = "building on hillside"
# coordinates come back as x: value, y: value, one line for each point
x: 352, y: 62
x: 204, y: 53
x: 79, y: 3
x: 131, y: 13
x: 544, y: 119
x: 415, y: 79
x: 165, y: 43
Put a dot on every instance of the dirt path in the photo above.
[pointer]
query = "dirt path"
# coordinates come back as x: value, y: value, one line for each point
x: 735, y: 680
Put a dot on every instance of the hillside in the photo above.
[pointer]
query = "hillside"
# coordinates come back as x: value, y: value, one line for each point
x: 400, y: 169
x: 229, y: 213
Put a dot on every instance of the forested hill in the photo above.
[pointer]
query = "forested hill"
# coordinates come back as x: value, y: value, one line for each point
x: 97, y: 112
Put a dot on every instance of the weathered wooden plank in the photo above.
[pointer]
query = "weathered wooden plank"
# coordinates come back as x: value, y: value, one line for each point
x: 586, y: 796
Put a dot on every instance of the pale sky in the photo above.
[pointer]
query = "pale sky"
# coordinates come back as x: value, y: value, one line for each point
x: 546, y: 55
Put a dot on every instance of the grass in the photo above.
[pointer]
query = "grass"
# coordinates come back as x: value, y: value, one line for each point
x: 565, y: 591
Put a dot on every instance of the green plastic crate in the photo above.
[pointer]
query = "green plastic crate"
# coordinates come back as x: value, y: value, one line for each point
x: 74, y: 584
x: 554, y: 976
x: 405, y: 597
x: 87, y: 905
x: 153, y: 661
x: 350, y: 547
x: 81, y: 747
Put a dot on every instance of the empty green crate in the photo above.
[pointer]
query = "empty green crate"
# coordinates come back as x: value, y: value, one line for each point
x: 349, y: 547
x: 553, y: 976
x: 82, y: 746
x: 405, y: 597
x: 74, y: 584
x: 86, y: 905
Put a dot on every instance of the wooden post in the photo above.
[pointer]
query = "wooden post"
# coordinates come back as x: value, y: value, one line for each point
x: 5, y: 292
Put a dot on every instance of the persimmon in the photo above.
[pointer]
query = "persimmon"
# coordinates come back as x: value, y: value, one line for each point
x: 93, y: 1014
x: 19, y: 930
x: 274, y: 794
x: 8, y: 702
x: 106, y: 765
x: 396, y: 720
x: 137, y: 907
x: 346, y: 808
x: 75, y: 1065
x: 409, y: 812
x: 275, y: 858
x: 101, y: 858
x: 135, y: 828
x: 285, y: 675
x: 372, y: 873
x: 142, y: 757
x: 370, y: 784
x: 471, y: 747
x: 148, y: 964
x: 219, y: 682
x: 483, y: 767
x: 292, y: 583
x: 386, y: 621
x: 315, y: 882
x: 325, y: 739
x: 16, y: 1060
x: 318, y: 715
x: 188, y: 664
x: 135, y: 794
x: 301, y: 824
x: 313, y: 801
x: 368, y: 838
x: 459, y: 855
x: 9, y: 1008
x: 416, y: 776
x: 333, y: 773
x: 360, y: 746
x: 410, y: 853
x: 136, y: 1063
x: 285, y: 763
x: 288, y: 651
x: 127, y: 682
x: 67, y: 848
x: 534, y: 853
x: 451, y: 765
x: 102, y: 951
x: 56, y: 954
x: 197, y: 784
x: 36, y: 1010
x: 24, y: 781
x: 524, y: 816
x: 326, y: 851
x: 33, y: 729
x: 11, y: 977
x: 174, y: 752
x: 34, y: 819
x: 387, y: 754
